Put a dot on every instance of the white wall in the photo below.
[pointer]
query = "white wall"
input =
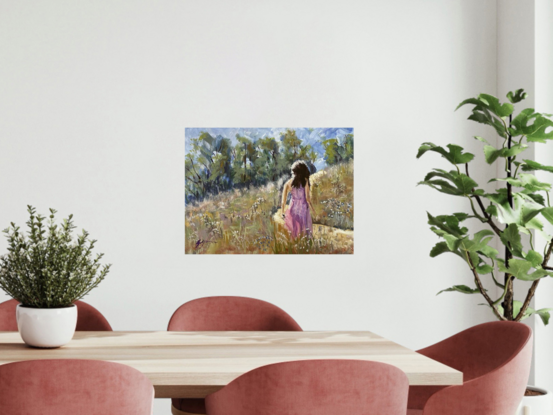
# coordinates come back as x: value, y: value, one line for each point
x: 525, y: 60
x: 95, y: 96
x: 516, y: 69
x: 544, y: 155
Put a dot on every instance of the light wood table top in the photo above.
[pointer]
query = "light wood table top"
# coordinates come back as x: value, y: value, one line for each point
x: 195, y: 364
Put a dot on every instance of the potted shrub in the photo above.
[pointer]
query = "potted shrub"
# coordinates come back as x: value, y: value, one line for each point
x: 47, y: 271
x: 512, y: 214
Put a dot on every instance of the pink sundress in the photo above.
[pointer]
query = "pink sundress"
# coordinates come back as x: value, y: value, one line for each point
x: 298, y: 218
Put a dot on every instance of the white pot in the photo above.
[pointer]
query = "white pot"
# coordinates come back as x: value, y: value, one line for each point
x: 46, y: 327
x: 536, y: 405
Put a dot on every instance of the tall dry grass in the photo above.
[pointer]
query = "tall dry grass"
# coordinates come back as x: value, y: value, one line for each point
x: 242, y: 221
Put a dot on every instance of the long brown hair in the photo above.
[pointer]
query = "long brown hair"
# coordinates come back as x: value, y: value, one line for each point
x: 301, y: 174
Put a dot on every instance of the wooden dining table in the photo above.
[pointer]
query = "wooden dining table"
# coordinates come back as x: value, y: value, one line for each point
x: 195, y: 364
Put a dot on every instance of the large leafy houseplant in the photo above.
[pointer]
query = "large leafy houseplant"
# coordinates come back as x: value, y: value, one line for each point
x: 48, y: 268
x: 512, y: 214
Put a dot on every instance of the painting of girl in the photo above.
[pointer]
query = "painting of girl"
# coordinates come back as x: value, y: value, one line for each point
x: 267, y: 191
x: 297, y: 218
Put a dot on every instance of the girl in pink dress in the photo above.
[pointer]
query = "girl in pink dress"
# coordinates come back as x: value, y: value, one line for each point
x: 298, y: 216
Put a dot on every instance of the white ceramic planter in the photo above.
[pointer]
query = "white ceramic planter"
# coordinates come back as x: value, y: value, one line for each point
x: 46, y: 327
x: 536, y: 405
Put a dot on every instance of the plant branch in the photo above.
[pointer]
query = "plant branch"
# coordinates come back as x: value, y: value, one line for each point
x: 509, y: 296
x: 487, y: 216
x: 502, y: 295
x: 534, y: 286
x: 482, y: 290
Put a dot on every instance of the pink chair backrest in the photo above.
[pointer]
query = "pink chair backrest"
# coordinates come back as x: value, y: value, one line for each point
x: 231, y: 314
x: 71, y: 387
x: 8, y: 321
x: 88, y: 318
x: 482, y: 348
x: 314, y: 387
x: 495, y: 359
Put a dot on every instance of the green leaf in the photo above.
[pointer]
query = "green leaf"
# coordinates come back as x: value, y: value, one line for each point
x: 478, y: 236
x: 519, y: 268
x: 483, y: 116
x: 533, y: 224
x: 541, y: 130
x: 527, y: 181
x: 492, y: 210
x: 548, y: 214
x: 516, y: 96
x: 499, y: 198
x: 513, y: 151
x: 456, y: 184
x: 451, y: 241
x: 536, y: 197
x: 461, y: 216
x: 438, y: 249
x: 531, y: 165
x: 482, y: 139
x: 455, y: 154
x: 478, y: 244
x: 442, y: 186
x: 491, y: 154
x: 493, y: 104
x: 473, y: 101
x: 464, y: 183
x: 522, y: 213
x: 543, y: 312
x: 534, y: 258
x: 544, y: 315
x: 448, y: 224
x: 511, y: 238
x: 461, y: 289
x: 489, y: 252
x: 519, y: 124
x: 536, y: 275
x: 484, y: 269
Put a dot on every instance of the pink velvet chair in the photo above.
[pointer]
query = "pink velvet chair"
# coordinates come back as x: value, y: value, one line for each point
x: 88, y: 318
x: 495, y: 360
x: 225, y: 314
x: 314, y: 387
x: 72, y: 387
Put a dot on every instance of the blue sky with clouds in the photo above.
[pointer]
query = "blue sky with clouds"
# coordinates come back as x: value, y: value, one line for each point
x: 310, y: 136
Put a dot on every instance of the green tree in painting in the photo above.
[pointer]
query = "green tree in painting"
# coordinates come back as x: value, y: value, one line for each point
x: 215, y: 164
x: 338, y: 151
x: 208, y: 166
x: 244, y: 162
x: 292, y: 146
x: 268, y: 161
x: 308, y: 154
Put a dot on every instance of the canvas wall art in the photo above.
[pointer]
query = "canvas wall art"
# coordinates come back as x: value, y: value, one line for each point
x: 269, y: 190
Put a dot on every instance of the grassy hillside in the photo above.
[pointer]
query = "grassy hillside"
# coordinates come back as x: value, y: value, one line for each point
x: 246, y: 221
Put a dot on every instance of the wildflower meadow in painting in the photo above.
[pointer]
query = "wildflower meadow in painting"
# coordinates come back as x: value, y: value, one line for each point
x: 269, y: 191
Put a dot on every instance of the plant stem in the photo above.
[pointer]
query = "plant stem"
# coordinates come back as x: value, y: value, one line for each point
x: 488, y: 217
x: 482, y: 290
x: 532, y: 289
x: 509, y: 294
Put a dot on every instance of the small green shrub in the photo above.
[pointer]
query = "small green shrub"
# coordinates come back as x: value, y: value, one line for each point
x: 48, y: 268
